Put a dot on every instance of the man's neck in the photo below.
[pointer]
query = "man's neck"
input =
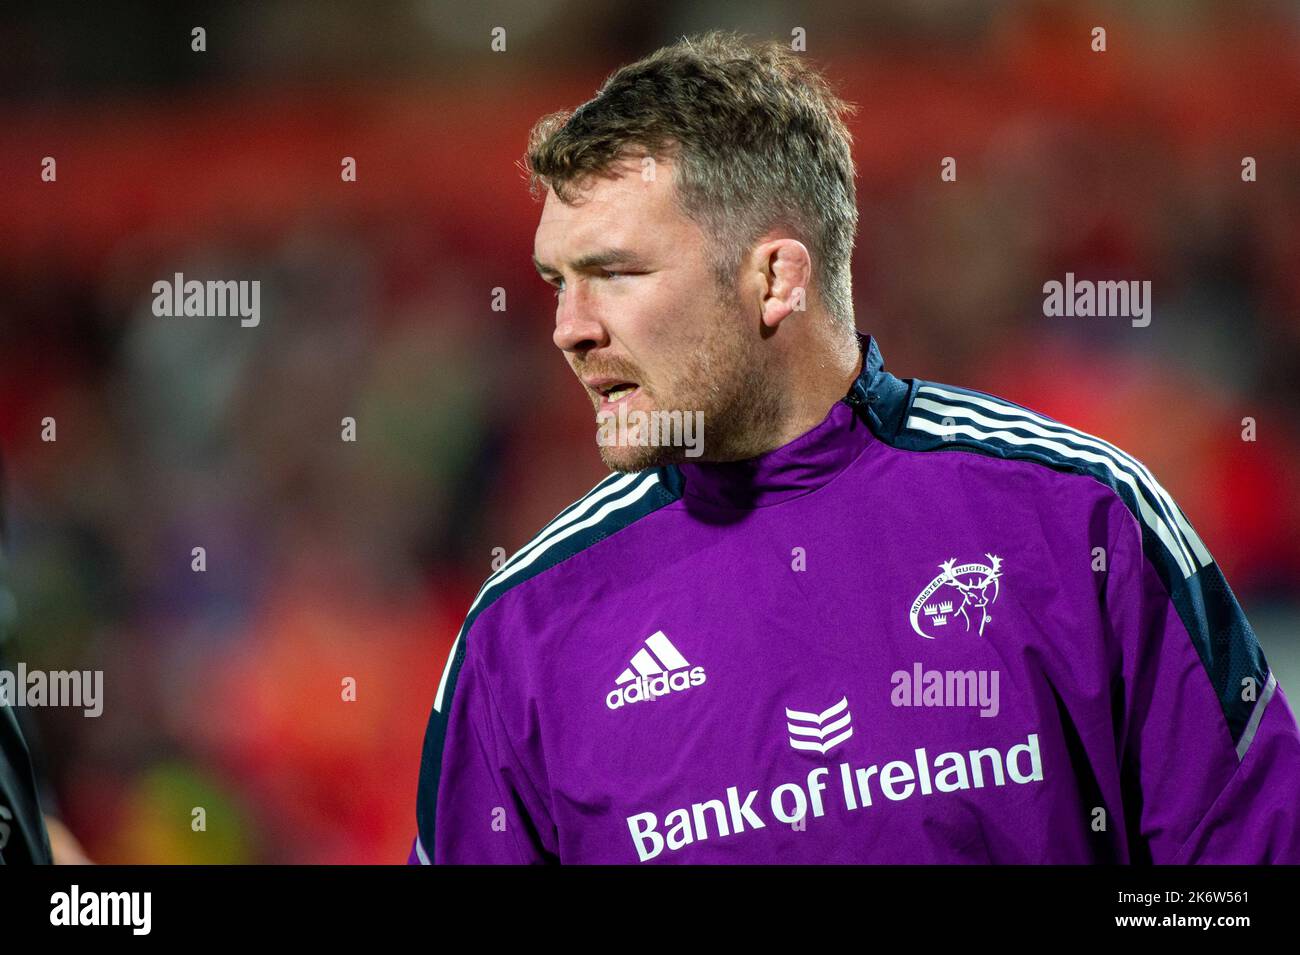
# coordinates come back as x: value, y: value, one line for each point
x: 825, y: 375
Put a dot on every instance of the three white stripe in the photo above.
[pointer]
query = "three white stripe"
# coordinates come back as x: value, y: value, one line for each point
x: 559, y: 529
x: 1170, y: 526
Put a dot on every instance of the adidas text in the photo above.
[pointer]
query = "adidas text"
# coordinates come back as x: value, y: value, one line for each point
x: 649, y: 688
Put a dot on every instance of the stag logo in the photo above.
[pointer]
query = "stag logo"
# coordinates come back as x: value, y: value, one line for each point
x: 977, y: 586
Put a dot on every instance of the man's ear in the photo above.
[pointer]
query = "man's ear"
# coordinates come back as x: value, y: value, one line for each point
x: 787, y: 269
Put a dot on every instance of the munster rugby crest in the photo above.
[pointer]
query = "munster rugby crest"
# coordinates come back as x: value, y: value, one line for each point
x: 965, y: 591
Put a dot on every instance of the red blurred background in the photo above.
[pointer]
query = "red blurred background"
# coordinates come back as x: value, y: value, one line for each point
x: 328, y: 559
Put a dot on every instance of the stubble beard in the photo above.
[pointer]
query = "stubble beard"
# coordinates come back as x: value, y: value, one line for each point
x: 723, y: 376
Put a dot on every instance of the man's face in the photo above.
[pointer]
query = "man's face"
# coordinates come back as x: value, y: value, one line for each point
x: 643, y: 322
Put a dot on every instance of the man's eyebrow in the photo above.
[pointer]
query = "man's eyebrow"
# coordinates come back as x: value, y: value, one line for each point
x: 592, y: 260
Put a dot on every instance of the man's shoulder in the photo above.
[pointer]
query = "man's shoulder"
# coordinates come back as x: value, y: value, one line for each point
x: 927, y: 416
x: 613, y: 504
x: 936, y: 416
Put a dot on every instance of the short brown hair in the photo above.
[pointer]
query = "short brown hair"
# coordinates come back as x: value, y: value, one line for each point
x: 757, y: 136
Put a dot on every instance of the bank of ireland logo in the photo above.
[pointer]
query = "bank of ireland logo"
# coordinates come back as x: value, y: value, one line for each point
x: 819, y: 732
x: 961, y: 590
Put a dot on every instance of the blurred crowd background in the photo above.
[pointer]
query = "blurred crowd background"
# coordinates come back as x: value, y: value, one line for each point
x: 328, y: 559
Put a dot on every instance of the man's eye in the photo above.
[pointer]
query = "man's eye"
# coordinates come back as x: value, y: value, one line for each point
x: 603, y: 273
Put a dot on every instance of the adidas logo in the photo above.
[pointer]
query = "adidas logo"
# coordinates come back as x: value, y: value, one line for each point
x: 814, y: 728
x: 657, y: 669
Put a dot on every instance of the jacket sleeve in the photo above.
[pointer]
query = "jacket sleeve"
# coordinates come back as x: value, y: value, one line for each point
x: 477, y: 801
x: 1208, y: 744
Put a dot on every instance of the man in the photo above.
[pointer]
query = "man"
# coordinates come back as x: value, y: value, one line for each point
x: 824, y: 639
x: 23, y: 836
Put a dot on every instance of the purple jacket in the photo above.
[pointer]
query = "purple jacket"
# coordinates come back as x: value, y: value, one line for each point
x: 860, y: 648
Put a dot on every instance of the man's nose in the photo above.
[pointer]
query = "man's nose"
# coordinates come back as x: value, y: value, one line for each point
x: 578, y: 327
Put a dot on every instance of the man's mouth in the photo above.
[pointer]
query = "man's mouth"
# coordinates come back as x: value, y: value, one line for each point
x: 613, y: 390
x: 619, y: 392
